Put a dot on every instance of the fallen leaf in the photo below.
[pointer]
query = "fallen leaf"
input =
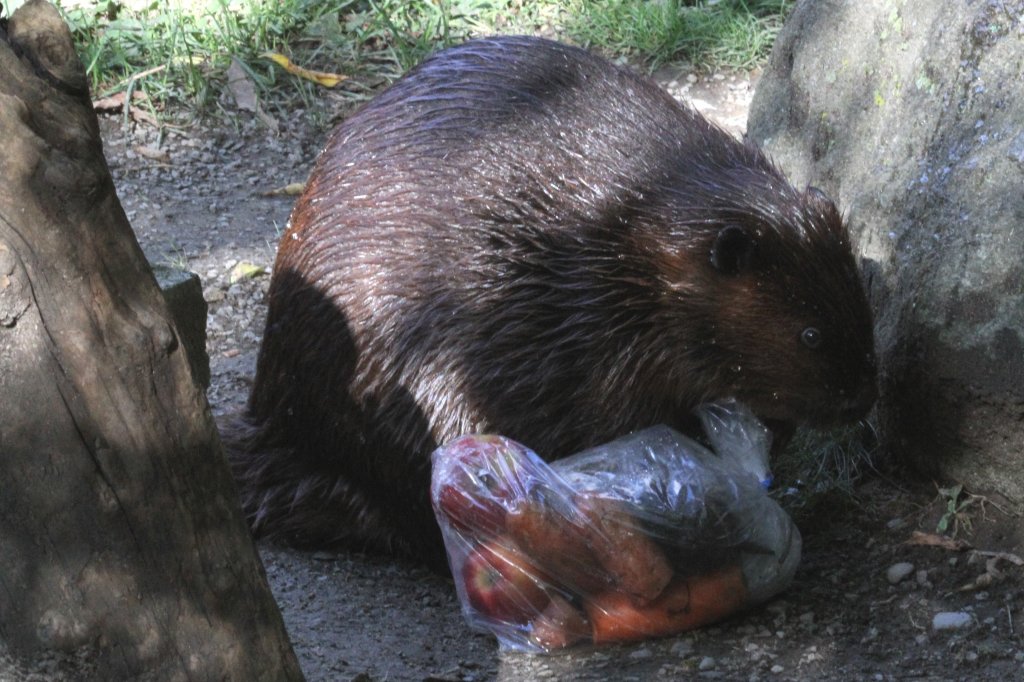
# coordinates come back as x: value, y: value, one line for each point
x: 245, y: 271
x: 143, y: 116
x: 936, y: 540
x: 116, y: 102
x: 328, y: 80
x: 113, y: 103
x: 289, y: 190
x: 152, y: 154
x: 241, y: 87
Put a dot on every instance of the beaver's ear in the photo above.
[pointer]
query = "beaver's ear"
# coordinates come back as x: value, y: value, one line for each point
x: 733, y: 250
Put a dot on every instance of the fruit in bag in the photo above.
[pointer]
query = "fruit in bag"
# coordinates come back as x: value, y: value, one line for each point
x: 503, y: 583
x: 478, y: 480
x: 686, y: 603
x: 646, y: 536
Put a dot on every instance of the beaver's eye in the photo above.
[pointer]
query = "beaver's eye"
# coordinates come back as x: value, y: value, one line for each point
x: 811, y: 337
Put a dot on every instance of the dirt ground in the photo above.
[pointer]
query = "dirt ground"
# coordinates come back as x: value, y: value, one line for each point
x: 866, y: 604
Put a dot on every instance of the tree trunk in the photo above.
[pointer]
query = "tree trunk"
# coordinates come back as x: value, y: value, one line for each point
x: 123, y: 552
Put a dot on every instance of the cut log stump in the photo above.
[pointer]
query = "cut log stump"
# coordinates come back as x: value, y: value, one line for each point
x: 122, y: 545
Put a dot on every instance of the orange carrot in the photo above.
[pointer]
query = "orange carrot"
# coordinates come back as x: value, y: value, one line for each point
x: 557, y: 542
x: 687, y: 603
x: 560, y: 625
x: 622, y: 547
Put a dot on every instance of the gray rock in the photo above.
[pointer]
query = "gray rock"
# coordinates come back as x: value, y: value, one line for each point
x: 898, y: 572
x: 184, y: 295
x: 682, y: 648
x: 910, y: 116
x: 951, y: 620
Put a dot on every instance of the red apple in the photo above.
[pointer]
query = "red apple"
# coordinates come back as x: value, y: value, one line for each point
x: 502, y: 585
x: 477, y: 479
x: 479, y: 516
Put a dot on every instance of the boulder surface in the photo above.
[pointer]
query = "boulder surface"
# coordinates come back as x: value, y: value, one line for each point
x: 910, y: 113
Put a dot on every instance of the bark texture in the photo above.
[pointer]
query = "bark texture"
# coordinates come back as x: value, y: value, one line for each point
x: 122, y: 547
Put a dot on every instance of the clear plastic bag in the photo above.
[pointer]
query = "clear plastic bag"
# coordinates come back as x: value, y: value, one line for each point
x: 645, y: 536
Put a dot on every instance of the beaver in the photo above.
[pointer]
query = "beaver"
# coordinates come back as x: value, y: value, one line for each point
x: 522, y: 238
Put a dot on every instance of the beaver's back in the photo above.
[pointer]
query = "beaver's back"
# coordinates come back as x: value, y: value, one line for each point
x: 519, y: 237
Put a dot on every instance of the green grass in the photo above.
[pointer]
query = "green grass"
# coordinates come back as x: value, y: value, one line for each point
x: 178, y: 51
x: 728, y: 33
x: 185, y: 48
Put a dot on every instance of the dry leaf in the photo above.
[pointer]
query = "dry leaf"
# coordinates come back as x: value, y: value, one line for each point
x: 143, y: 116
x: 115, y: 102
x: 245, y: 271
x: 290, y: 190
x: 241, y: 87
x: 935, y: 540
x: 152, y: 154
x: 328, y: 80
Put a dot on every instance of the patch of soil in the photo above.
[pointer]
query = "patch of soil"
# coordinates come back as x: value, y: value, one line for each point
x: 353, y: 616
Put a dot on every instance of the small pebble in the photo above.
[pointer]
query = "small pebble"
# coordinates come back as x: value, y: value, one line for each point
x: 777, y: 668
x: 641, y: 653
x: 683, y: 647
x: 706, y: 663
x: 898, y: 572
x: 951, y: 620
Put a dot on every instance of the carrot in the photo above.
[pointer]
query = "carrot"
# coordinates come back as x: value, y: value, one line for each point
x: 557, y: 542
x: 634, y: 561
x: 687, y: 603
x: 560, y: 625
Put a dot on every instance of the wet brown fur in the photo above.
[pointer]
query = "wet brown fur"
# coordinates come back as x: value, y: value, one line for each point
x: 519, y: 237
